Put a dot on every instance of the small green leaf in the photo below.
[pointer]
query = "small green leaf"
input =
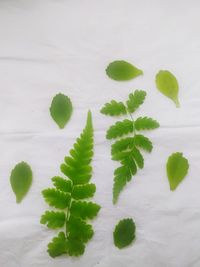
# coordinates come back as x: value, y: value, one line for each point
x: 167, y: 84
x: 122, y: 176
x: 83, y: 191
x: 135, y: 100
x: 121, y: 70
x: 62, y: 184
x: 119, y: 128
x: 53, y: 219
x: 145, y: 123
x: 55, y: 198
x: 177, y: 169
x: 114, y: 108
x: 79, y: 229
x: 124, y: 233
x: 61, y: 109
x: 143, y: 142
x: 21, y: 180
x: 58, y: 245
x: 84, y: 210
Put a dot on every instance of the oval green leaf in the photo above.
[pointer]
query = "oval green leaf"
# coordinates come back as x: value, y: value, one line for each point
x: 21, y: 180
x: 124, y: 233
x: 167, y: 84
x: 121, y: 70
x: 61, y: 109
x: 177, y: 168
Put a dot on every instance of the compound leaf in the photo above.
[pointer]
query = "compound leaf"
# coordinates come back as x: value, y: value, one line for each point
x: 58, y: 245
x: 53, y: 219
x: 120, y: 128
x: 21, y: 180
x: 61, y: 109
x: 124, y: 233
x: 84, y: 210
x: 66, y: 195
x: 135, y: 100
x: 114, y: 108
x: 121, y: 70
x: 55, y: 198
x: 145, y: 123
x: 177, y: 169
x: 167, y: 84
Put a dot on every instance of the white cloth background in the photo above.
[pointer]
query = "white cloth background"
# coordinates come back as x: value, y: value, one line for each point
x: 64, y: 46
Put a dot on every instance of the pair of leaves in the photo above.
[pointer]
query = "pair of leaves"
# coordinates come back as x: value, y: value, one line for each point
x: 69, y: 196
x: 21, y: 180
x: 177, y: 169
x: 61, y: 109
x: 127, y: 150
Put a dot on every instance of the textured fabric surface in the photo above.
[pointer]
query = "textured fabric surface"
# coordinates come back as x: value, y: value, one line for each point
x: 64, y: 46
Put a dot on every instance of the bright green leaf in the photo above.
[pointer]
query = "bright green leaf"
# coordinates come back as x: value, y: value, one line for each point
x: 119, y: 128
x: 167, y: 84
x: 61, y: 109
x: 177, y: 169
x: 84, y: 210
x: 62, y: 184
x: 58, y: 245
x: 114, y: 108
x: 21, y: 180
x: 143, y: 142
x: 145, y: 123
x: 121, y: 70
x: 55, y: 198
x: 135, y: 100
x: 83, y: 191
x: 124, y: 233
x: 53, y: 219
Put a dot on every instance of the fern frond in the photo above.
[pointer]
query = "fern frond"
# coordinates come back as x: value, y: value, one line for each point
x: 114, y: 108
x: 126, y: 150
x: 120, y: 128
x: 135, y: 100
x: 145, y: 123
x: 67, y: 195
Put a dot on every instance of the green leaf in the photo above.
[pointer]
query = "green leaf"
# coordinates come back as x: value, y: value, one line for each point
x: 121, y: 70
x: 114, y: 108
x: 55, y: 198
x: 135, y: 100
x: 145, y: 123
x: 124, y: 233
x: 62, y: 184
x: 120, y: 128
x: 21, y: 180
x: 58, y: 245
x: 121, y: 145
x: 138, y: 157
x: 61, y: 109
x: 143, y: 142
x: 122, y: 176
x: 83, y: 191
x: 79, y: 229
x: 167, y: 84
x: 75, y: 247
x: 84, y: 210
x: 177, y: 169
x: 53, y: 219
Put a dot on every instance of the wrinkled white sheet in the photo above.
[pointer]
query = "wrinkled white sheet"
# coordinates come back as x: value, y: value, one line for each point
x: 55, y: 46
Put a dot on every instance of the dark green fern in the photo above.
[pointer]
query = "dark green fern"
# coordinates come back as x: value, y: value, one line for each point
x: 126, y: 149
x: 68, y: 195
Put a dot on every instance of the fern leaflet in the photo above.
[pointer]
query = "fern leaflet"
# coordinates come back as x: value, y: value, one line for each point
x: 68, y: 195
x: 126, y: 149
